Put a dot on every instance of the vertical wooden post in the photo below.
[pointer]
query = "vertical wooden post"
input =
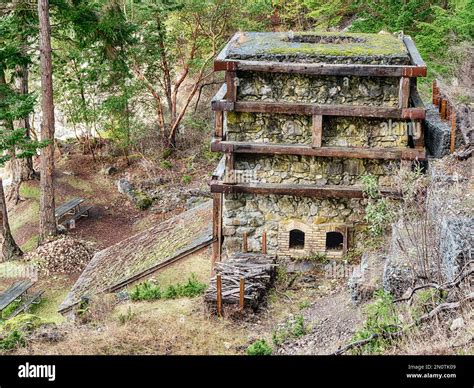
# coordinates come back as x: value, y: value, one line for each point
x: 244, y: 243
x: 218, y: 124
x: 242, y: 294
x: 219, y: 295
x: 443, y: 109
x: 216, y: 228
x: 232, y: 82
x: 264, y: 243
x: 452, y: 144
x: 404, y: 92
x: 317, y: 131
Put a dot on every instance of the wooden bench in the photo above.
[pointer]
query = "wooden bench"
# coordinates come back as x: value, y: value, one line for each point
x: 74, y: 210
x: 33, y: 299
x: 14, y: 293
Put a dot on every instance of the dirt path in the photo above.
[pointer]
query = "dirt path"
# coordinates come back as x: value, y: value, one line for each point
x: 333, y: 319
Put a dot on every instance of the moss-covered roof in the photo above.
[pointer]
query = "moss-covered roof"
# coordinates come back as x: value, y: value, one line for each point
x: 319, y: 47
x: 123, y: 261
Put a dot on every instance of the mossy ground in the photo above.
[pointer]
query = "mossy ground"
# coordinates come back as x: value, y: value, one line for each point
x: 357, y: 44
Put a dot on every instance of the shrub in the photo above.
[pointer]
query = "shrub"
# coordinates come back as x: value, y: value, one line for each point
x: 381, y: 319
x: 12, y: 340
x: 151, y: 291
x: 186, y: 179
x: 259, y: 348
x: 294, y: 328
x: 142, y: 200
x: 166, y: 164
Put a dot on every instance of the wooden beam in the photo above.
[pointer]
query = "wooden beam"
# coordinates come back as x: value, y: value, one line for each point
x: 321, y: 69
x: 242, y: 294
x: 315, y: 109
x: 326, y: 191
x: 218, y: 124
x: 414, y: 54
x: 245, y: 246
x: 231, y: 82
x: 442, y: 111
x: 404, y: 92
x: 216, y: 228
x: 317, y: 131
x: 335, y: 152
x: 452, y: 144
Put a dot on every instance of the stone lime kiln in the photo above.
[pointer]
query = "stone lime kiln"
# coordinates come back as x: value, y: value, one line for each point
x: 300, y: 119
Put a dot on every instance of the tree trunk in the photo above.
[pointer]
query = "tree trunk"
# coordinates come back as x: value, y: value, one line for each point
x: 27, y: 171
x: 10, y: 249
x: 47, y: 205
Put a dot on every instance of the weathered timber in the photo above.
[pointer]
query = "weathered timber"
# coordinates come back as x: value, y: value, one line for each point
x: 315, y: 109
x: 254, y: 271
x: 218, y: 123
x: 404, y: 92
x: 343, y: 152
x: 415, y: 55
x: 326, y: 191
x: 216, y: 227
x: 321, y: 69
x: 317, y: 131
x: 231, y: 82
x: 452, y: 144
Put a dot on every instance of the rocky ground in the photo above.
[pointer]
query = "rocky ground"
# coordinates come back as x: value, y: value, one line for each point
x: 327, y: 334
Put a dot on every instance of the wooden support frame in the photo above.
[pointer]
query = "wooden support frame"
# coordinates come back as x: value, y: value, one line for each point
x: 315, y: 109
x: 326, y: 191
x: 417, y: 68
x: 317, y: 131
x: 231, y: 83
x: 216, y: 228
x: 219, y: 124
x: 336, y: 152
x: 452, y: 145
x: 404, y: 92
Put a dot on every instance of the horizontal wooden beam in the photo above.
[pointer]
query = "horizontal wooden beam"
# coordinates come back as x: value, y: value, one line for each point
x: 417, y: 68
x: 321, y: 69
x: 315, y: 109
x: 335, y: 152
x: 326, y: 191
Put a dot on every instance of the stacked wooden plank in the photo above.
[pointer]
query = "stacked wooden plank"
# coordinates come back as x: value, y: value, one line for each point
x: 256, y: 269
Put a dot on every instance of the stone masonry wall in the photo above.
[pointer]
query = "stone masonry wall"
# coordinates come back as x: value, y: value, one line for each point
x: 246, y: 213
x: 289, y: 169
x: 296, y: 129
x: 301, y: 88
